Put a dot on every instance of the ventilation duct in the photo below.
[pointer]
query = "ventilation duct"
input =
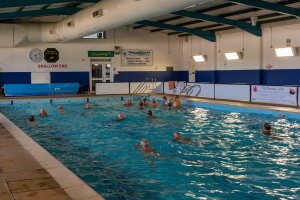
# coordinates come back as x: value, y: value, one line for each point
x: 110, y: 14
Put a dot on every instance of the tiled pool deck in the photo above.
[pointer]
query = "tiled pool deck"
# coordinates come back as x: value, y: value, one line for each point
x: 29, y: 172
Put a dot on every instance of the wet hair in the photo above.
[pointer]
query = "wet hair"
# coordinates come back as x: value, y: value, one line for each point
x: 31, y: 118
x: 267, y: 126
x: 150, y: 112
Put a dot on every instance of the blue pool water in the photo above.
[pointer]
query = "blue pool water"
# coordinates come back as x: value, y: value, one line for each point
x: 230, y: 158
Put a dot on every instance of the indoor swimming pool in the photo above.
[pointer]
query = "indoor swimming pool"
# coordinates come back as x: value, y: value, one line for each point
x: 228, y: 158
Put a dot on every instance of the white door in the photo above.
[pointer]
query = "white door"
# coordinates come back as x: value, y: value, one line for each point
x: 101, y: 72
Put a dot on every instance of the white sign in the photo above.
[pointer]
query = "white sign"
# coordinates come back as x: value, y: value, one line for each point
x: 274, y: 94
x: 137, y: 57
x: 112, y: 88
x: 233, y: 92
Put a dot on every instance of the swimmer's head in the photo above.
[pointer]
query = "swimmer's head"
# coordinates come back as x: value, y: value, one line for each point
x: 43, y: 112
x: 31, y: 118
x: 267, y: 128
x: 87, y: 105
x: 149, y: 113
x: 176, y: 135
x: 121, y: 116
x: 60, y: 108
x: 153, y: 101
x: 144, y: 142
x: 164, y: 97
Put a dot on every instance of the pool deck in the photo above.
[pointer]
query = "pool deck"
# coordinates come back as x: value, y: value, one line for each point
x: 21, y: 176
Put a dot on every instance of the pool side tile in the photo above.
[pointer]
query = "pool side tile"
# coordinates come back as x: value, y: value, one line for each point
x: 53, y: 194
x: 81, y: 192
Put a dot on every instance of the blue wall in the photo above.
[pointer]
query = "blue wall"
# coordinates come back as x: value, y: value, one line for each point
x: 15, y: 77
x: 139, y: 76
x: 83, y: 78
x: 266, y: 77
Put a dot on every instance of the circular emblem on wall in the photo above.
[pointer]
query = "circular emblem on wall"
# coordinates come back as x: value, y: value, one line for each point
x: 36, y: 55
x: 51, y: 55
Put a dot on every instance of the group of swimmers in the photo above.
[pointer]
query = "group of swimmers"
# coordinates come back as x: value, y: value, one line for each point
x: 144, y: 143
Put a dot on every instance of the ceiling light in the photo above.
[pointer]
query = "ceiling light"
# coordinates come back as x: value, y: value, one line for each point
x: 285, y: 52
x: 233, y: 55
x: 199, y: 58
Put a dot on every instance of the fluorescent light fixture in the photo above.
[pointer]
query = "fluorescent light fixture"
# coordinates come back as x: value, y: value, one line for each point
x: 199, y: 58
x: 285, y: 52
x: 233, y: 55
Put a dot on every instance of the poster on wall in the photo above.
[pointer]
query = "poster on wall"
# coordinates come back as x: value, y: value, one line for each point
x: 274, y: 94
x: 137, y: 57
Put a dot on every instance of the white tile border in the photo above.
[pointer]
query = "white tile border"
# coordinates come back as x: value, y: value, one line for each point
x: 76, y: 188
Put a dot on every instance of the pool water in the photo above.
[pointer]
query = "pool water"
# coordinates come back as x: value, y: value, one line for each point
x: 229, y: 157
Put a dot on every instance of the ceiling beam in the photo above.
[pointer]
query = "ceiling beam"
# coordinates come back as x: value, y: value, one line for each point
x: 203, y: 34
x: 270, y: 6
x: 255, y: 30
x: 37, y: 13
x: 18, y: 3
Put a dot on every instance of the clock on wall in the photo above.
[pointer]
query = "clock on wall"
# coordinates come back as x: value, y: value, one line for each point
x: 36, y: 55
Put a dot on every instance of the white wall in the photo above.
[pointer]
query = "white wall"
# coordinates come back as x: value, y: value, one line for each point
x: 74, y: 54
x: 257, y: 51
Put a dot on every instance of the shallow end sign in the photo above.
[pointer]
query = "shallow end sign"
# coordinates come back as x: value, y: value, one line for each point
x: 103, y: 54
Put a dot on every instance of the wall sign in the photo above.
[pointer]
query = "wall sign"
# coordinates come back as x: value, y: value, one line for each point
x: 51, y: 55
x: 104, y: 54
x: 137, y: 57
x: 36, y: 55
x: 274, y: 94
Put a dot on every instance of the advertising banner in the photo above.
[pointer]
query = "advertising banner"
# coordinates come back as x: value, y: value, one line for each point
x: 137, y: 57
x: 274, y: 94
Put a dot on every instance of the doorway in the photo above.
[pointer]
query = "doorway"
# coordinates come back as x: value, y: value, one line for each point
x: 101, y: 72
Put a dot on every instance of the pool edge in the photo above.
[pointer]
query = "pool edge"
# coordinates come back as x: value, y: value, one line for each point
x: 75, y: 187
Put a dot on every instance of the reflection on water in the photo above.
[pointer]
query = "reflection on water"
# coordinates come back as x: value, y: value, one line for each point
x: 229, y: 157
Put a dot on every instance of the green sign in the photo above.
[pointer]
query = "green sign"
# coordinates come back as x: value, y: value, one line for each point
x: 104, y: 54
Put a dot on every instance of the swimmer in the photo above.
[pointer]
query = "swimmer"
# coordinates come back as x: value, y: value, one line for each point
x: 154, y: 103
x: 31, y: 120
x: 177, y: 137
x: 145, y: 146
x: 128, y: 103
x: 267, y: 129
x: 177, y: 102
x: 170, y: 105
x: 43, y: 113
x: 150, y: 114
x: 87, y: 106
x: 141, y: 105
x: 60, y: 109
x: 145, y: 102
x: 165, y: 100
x: 281, y: 116
x: 120, y: 117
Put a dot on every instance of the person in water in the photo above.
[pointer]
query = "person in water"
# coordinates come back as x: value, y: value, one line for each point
x: 177, y: 137
x: 87, y: 106
x: 145, y: 146
x: 177, y: 102
x: 165, y: 101
x: 170, y: 105
x: 267, y: 129
x: 60, y: 109
x: 120, y: 117
x: 145, y: 101
x: 43, y: 113
x: 150, y: 114
x: 154, y: 103
x: 128, y: 103
x: 31, y: 120
x: 141, y: 105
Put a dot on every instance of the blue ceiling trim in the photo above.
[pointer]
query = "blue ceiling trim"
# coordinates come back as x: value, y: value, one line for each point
x: 270, y: 6
x: 36, y: 13
x: 255, y: 30
x: 208, y: 35
x: 18, y: 3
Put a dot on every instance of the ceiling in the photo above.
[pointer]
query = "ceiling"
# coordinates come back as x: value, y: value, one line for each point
x: 202, y: 20
x: 24, y: 11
